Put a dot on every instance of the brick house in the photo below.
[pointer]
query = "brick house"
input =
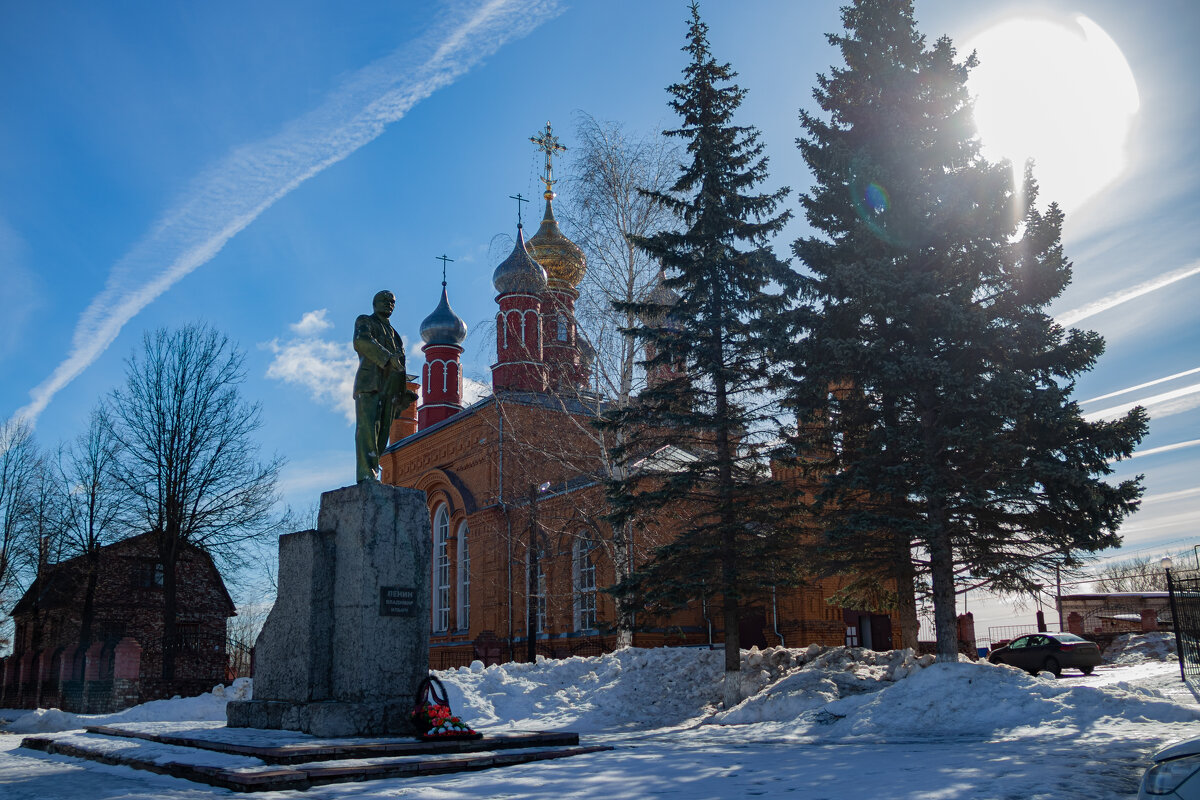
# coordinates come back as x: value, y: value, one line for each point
x: 529, y: 449
x: 121, y: 664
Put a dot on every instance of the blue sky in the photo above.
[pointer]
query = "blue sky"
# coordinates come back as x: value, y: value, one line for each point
x: 251, y: 164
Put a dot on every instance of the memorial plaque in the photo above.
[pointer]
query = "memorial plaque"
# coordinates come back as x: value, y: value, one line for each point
x: 397, y: 601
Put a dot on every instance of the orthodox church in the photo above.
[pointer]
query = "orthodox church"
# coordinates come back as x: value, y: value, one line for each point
x: 521, y: 548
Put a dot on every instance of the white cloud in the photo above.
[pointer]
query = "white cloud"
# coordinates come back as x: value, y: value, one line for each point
x: 474, y: 390
x: 232, y: 193
x: 312, y: 323
x: 1125, y: 295
x: 326, y: 369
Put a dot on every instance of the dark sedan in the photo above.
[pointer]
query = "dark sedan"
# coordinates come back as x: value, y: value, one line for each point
x: 1050, y: 652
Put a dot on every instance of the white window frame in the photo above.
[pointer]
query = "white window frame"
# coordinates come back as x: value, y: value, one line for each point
x: 540, y: 597
x: 584, y: 580
x: 441, y: 569
x: 464, y: 578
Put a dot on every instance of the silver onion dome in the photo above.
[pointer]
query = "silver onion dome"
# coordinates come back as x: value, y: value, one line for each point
x: 661, y: 295
x: 519, y: 272
x: 443, y: 326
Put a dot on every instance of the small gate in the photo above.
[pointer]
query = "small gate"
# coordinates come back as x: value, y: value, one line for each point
x: 1185, y: 613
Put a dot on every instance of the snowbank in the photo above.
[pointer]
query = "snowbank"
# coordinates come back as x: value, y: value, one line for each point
x: 629, y: 689
x: 819, y: 691
x: 209, y: 706
x: 814, y: 692
x: 1134, y: 648
x: 982, y: 700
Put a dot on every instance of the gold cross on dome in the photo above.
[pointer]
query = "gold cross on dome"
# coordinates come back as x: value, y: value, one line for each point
x: 547, y: 143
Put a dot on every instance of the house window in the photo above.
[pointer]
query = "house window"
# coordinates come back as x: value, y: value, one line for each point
x: 585, y: 583
x: 563, y: 327
x: 851, y: 636
x: 441, y: 569
x: 464, y: 578
x: 149, y: 575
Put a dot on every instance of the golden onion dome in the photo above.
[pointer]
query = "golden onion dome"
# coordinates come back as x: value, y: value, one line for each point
x: 562, y: 259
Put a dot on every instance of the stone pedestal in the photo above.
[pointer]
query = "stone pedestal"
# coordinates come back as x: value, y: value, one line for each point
x: 347, y: 643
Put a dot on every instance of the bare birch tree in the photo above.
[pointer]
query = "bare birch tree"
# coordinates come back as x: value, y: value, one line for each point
x: 606, y: 201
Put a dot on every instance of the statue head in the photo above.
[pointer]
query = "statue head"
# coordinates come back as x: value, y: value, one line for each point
x: 384, y: 303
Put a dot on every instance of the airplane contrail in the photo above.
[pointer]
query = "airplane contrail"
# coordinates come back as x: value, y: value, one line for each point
x: 1172, y: 397
x: 1166, y: 448
x: 1140, y: 386
x: 1125, y: 295
x: 228, y: 196
x: 1177, y: 495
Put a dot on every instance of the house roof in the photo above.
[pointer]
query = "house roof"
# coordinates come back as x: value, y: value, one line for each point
x: 60, y: 584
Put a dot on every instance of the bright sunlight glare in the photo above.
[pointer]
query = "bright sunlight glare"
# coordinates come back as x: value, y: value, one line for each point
x: 1060, y: 94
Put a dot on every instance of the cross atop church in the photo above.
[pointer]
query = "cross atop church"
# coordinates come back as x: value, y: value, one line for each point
x: 444, y: 260
x: 519, y: 200
x: 547, y: 143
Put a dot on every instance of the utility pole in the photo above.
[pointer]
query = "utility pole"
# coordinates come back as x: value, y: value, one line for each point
x: 1058, y: 595
x: 532, y: 574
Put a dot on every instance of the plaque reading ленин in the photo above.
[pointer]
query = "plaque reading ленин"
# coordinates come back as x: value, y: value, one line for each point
x: 397, y: 601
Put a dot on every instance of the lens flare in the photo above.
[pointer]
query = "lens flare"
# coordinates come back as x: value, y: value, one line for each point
x: 872, y: 203
x: 876, y: 198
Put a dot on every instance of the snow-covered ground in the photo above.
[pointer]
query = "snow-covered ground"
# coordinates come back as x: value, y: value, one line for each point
x: 817, y: 723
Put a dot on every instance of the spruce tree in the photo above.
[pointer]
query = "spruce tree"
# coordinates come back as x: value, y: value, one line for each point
x: 922, y: 340
x: 692, y: 443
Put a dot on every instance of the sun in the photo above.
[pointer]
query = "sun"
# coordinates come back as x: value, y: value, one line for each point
x: 1061, y: 94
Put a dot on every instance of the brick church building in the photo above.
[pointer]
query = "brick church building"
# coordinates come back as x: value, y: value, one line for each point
x: 525, y: 463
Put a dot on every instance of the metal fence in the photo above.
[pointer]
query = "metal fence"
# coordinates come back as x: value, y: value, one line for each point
x: 1185, y: 614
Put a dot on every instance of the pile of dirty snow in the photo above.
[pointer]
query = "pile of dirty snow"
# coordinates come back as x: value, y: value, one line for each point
x: 209, y: 706
x: 1135, y: 648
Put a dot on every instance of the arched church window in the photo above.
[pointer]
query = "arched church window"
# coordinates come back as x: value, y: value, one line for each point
x: 464, y: 578
x: 584, y: 573
x: 441, y: 569
x: 563, y: 327
x: 539, y: 588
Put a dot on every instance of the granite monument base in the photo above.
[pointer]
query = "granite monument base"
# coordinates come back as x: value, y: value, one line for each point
x: 346, y: 645
x: 326, y: 718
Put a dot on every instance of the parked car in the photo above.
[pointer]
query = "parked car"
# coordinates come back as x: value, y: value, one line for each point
x: 1175, y: 773
x: 1048, y: 651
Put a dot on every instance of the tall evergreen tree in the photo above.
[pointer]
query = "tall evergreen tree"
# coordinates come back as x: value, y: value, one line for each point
x: 922, y: 338
x: 691, y: 442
